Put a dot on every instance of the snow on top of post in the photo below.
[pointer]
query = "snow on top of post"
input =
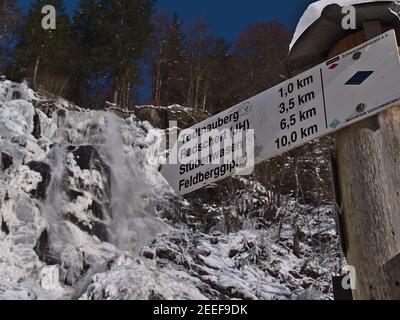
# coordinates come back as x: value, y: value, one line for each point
x: 314, y: 11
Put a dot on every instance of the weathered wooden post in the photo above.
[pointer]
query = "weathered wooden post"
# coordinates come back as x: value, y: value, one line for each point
x: 368, y: 160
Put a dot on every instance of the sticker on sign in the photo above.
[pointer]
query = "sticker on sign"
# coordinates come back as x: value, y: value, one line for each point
x: 348, y: 88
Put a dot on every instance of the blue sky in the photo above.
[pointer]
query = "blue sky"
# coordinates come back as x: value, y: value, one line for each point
x: 226, y: 17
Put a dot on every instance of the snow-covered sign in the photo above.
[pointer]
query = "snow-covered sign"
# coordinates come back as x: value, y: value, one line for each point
x: 315, y: 9
x: 348, y: 88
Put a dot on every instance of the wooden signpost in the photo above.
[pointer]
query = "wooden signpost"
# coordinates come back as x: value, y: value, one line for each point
x: 368, y: 157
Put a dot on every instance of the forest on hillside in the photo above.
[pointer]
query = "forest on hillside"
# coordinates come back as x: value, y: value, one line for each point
x: 120, y: 51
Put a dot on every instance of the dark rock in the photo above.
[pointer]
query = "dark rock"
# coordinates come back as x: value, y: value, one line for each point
x: 42, y: 247
x: 100, y: 231
x: 155, y: 296
x: 97, y: 228
x: 73, y: 194
x: 148, y: 253
x: 4, y: 227
x: 157, y: 117
x: 21, y: 141
x: 273, y: 272
x: 16, y: 95
x: 97, y: 210
x: 45, y: 171
x: 36, y: 126
x: 307, y: 271
x: 88, y: 158
x: 166, y: 253
x: 214, y: 241
x: 233, y: 253
x: 6, y: 161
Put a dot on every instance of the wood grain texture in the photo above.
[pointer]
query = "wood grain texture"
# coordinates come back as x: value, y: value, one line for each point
x: 369, y: 178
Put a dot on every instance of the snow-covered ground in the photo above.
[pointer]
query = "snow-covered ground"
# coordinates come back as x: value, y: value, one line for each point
x: 85, y: 214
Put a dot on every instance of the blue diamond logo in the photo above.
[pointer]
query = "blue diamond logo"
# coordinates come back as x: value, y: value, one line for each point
x: 359, y: 78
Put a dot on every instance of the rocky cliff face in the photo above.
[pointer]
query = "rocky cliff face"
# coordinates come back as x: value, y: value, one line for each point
x: 85, y: 214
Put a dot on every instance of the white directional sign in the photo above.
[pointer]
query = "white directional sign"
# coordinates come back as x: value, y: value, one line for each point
x: 348, y: 88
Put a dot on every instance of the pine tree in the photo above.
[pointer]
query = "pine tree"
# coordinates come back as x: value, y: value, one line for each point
x: 166, y: 59
x: 201, y: 53
x: 221, y: 79
x: 115, y: 33
x: 8, y: 14
x: 92, y: 64
x: 45, y: 56
x: 189, y: 66
x: 258, y: 58
x: 9, y: 17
